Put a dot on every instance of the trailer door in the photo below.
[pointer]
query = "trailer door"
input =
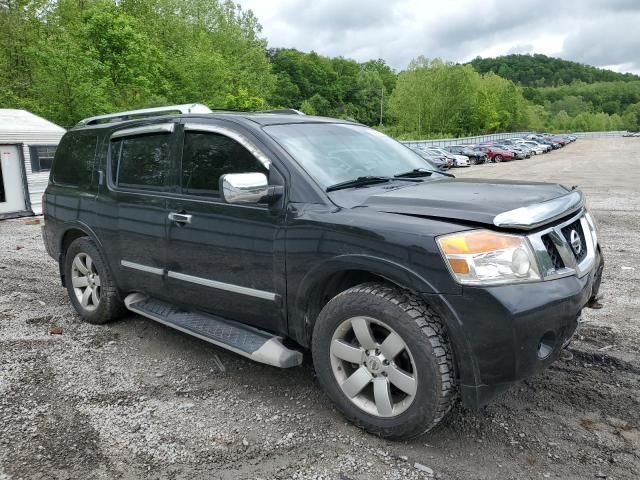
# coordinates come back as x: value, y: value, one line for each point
x: 11, y: 181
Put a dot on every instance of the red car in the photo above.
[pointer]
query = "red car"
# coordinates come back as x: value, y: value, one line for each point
x: 495, y: 154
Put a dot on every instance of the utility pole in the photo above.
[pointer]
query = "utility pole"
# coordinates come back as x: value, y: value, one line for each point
x: 381, y: 103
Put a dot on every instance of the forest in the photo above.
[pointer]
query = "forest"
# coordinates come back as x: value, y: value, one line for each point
x: 69, y: 59
x: 538, y: 70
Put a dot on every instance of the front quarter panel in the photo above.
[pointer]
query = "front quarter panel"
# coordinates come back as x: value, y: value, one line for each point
x: 323, y: 241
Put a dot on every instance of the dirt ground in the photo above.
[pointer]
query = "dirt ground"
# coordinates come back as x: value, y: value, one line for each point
x: 135, y: 399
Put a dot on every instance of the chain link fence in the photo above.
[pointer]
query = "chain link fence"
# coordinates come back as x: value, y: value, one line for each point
x: 444, y: 142
x: 599, y: 134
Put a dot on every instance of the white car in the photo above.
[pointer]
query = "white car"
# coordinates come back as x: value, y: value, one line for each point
x: 458, y: 160
x: 535, y: 146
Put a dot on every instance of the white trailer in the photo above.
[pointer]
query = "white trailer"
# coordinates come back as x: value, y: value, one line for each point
x: 27, y: 145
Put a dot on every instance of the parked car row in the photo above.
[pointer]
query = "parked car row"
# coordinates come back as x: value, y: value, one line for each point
x: 499, y: 151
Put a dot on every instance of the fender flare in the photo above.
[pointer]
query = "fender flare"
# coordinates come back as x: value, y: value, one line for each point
x: 394, y: 272
x: 77, y: 225
x: 87, y: 230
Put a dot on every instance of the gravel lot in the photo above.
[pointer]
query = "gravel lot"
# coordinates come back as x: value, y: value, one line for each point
x: 135, y: 399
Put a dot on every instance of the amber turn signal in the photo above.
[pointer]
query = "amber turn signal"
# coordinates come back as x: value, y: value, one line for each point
x: 459, y: 265
x: 477, y: 241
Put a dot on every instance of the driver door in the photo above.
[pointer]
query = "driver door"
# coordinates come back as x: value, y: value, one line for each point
x: 222, y: 258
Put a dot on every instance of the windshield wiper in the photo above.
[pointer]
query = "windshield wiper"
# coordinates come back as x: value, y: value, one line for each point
x: 368, y: 180
x: 359, y: 182
x: 420, y: 172
x: 416, y: 172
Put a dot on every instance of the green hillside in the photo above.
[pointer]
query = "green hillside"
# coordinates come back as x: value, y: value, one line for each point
x: 77, y: 59
x: 538, y: 70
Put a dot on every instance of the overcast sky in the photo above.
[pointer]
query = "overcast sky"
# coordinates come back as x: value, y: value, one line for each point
x: 605, y: 33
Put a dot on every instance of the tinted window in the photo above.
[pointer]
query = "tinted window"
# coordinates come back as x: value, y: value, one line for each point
x: 142, y: 161
x: 207, y: 156
x: 74, y: 159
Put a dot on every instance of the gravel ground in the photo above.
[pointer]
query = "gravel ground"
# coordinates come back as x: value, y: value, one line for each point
x: 134, y: 399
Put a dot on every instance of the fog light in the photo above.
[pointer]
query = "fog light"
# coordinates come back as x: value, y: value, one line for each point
x: 546, y: 345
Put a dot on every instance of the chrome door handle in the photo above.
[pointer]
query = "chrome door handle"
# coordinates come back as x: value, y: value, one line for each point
x: 179, y: 217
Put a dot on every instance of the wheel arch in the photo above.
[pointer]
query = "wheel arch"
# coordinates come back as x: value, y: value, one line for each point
x: 327, y: 280
x: 72, y: 232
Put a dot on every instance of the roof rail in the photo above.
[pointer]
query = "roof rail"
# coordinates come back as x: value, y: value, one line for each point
x: 285, y: 111
x: 145, y: 112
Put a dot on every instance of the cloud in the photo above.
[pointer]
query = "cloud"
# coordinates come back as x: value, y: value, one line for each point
x: 609, y: 41
x: 528, y: 48
x: 598, y: 32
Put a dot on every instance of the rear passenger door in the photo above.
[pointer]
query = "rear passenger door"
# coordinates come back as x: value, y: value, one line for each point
x: 141, y: 173
x: 225, y: 259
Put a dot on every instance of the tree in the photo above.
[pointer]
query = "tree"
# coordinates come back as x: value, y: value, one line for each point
x: 435, y: 97
x: 68, y: 59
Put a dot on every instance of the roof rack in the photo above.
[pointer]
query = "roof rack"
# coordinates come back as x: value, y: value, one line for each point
x: 285, y: 111
x: 145, y: 112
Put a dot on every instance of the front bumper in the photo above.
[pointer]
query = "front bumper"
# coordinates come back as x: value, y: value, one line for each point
x: 513, y: 331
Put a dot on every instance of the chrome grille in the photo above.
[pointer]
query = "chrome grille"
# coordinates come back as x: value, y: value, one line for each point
x: 556, y: 259
x: 567, y: 248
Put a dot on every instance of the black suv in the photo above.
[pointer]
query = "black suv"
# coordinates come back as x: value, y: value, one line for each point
x: 272, y: 233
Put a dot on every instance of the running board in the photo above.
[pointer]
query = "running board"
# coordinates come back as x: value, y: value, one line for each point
x: 244, y: 340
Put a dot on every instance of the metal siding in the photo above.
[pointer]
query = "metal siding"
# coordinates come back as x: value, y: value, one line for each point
x: 37, y: 182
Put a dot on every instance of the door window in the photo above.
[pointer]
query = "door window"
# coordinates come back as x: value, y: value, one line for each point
x: 142, y: 161
x: 208, y: 156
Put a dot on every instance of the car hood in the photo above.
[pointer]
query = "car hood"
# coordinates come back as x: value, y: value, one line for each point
x: 469, y: 199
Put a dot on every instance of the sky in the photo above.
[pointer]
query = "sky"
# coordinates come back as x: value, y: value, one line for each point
x: 604, y: 33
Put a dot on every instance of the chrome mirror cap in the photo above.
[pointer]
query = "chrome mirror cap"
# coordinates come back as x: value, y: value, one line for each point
x: 533, y: 216
x: 244, y: 187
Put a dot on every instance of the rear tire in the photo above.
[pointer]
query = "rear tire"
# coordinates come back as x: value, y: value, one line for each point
x: 497, y: 158
x: 383, y: 357
x: 90, y: 285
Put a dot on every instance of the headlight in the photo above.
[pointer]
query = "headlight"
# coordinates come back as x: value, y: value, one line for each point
x: 484, y: 257
x: 593, y: 227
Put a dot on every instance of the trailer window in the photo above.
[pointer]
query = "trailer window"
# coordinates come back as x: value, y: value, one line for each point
x: 3, y: 198
x: 42, y: 157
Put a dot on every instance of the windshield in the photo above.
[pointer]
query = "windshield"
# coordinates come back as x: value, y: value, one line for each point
x: 332, y: 153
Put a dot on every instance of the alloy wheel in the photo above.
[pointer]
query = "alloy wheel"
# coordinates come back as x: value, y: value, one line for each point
x: 373, y: 366
x: 86, y: 281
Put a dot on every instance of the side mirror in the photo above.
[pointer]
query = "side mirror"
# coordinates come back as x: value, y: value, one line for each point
x: 246, y: 188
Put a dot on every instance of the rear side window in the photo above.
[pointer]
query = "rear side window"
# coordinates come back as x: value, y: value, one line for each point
x: 208, y: 156
x: 141, y: 161
x: 74, y: 158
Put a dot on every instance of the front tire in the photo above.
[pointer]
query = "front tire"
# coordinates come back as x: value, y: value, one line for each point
x: 91, y: 287
x: 384, y: 359
x: 497, y: 158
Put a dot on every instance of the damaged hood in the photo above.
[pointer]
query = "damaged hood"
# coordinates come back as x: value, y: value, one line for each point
x: 471, y: 200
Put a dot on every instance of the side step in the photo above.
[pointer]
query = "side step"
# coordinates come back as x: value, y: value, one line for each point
x: 244, y: 340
